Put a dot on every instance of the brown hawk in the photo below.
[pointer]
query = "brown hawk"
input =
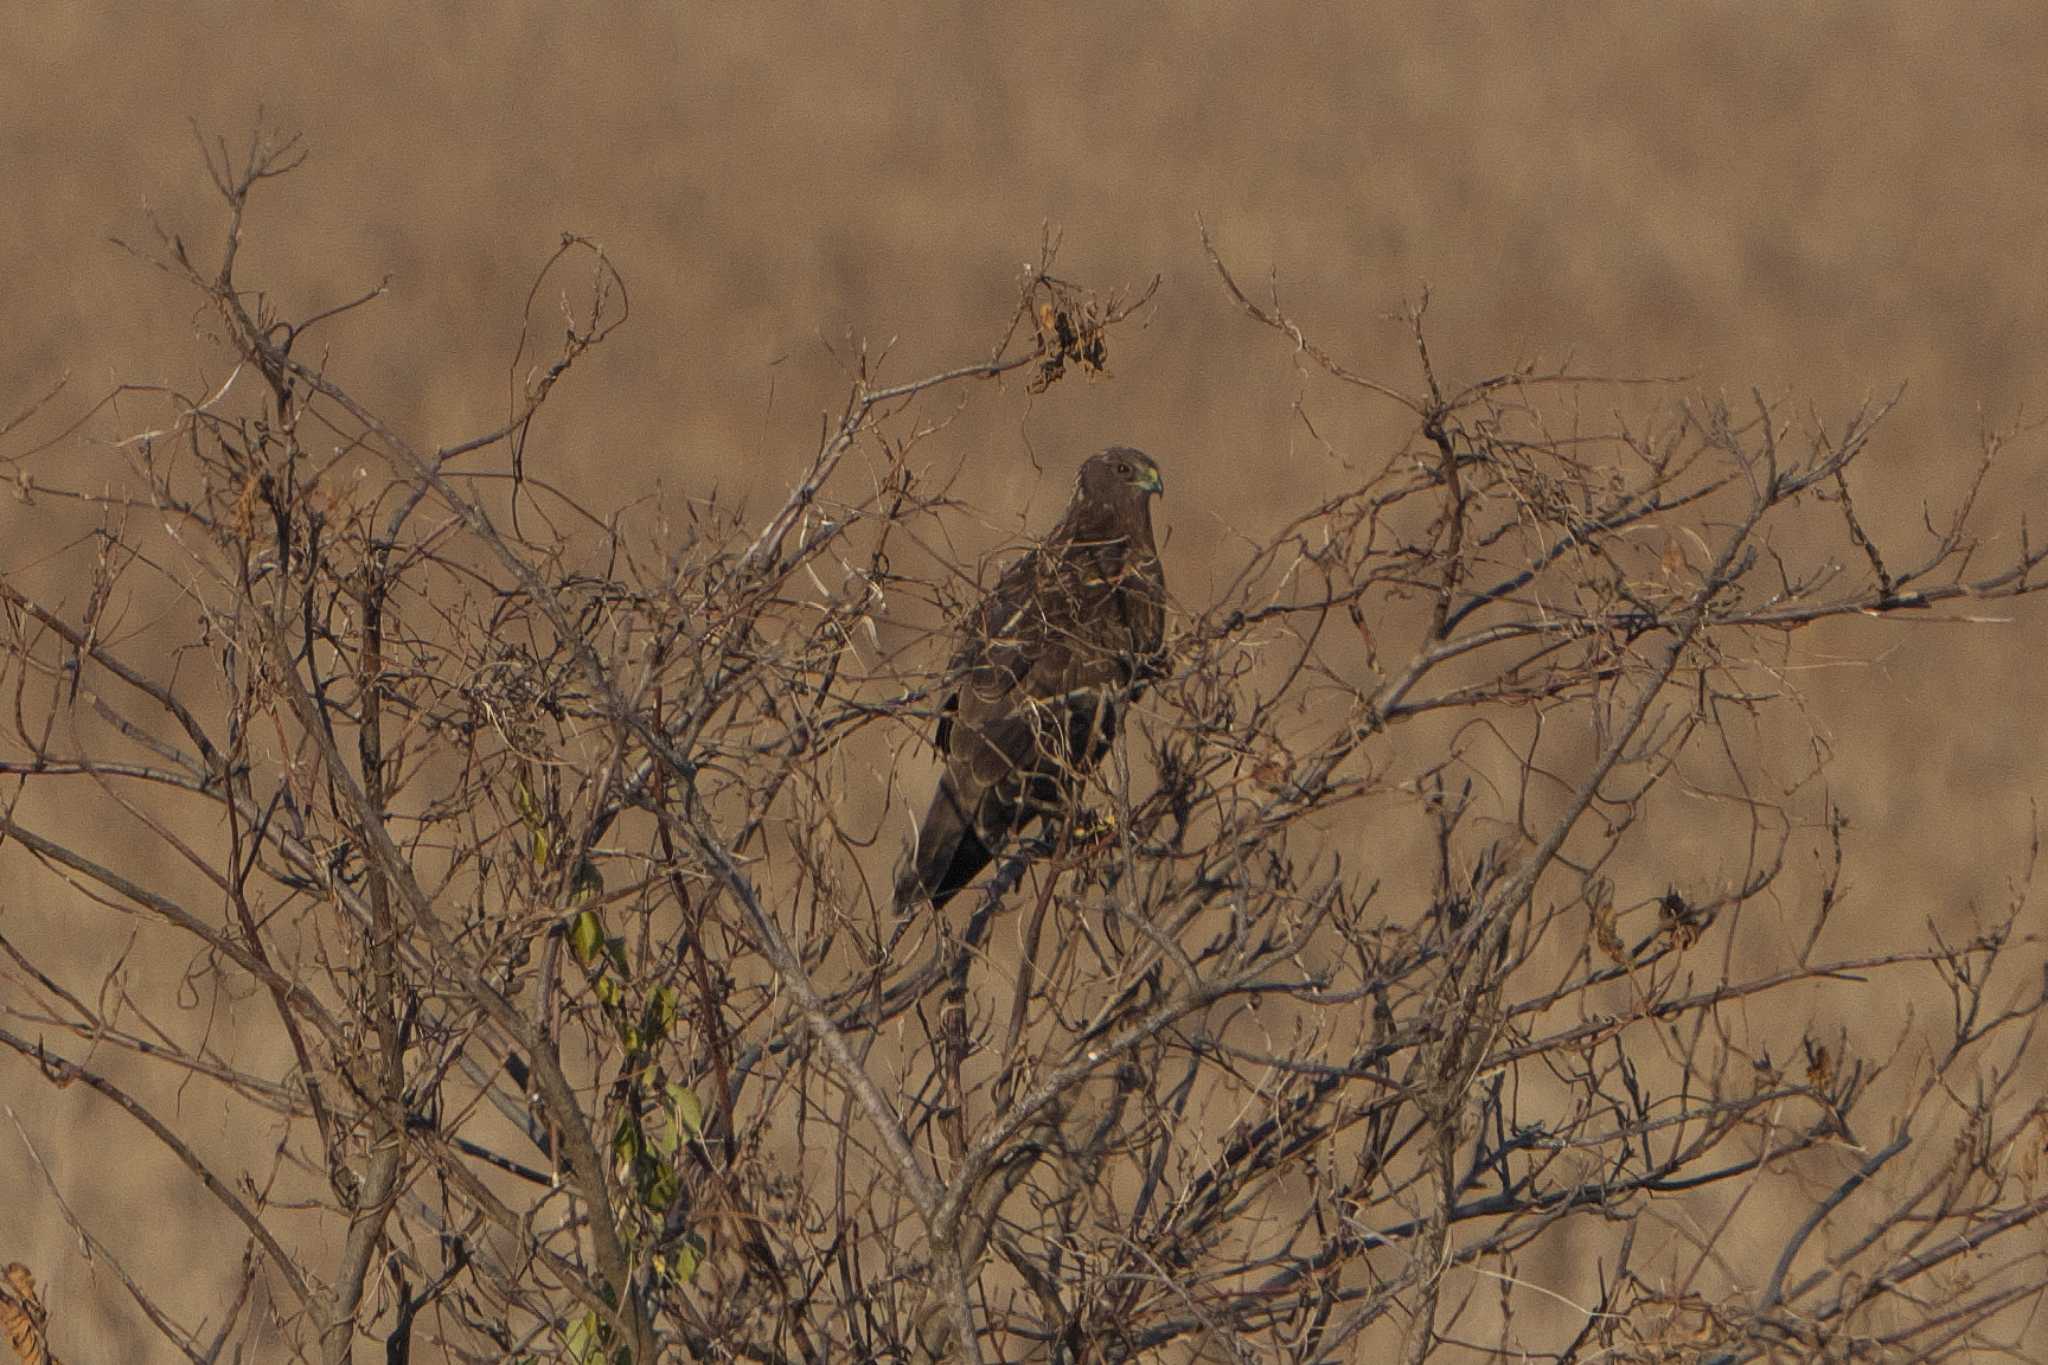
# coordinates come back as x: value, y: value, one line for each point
x: 1044, y: 667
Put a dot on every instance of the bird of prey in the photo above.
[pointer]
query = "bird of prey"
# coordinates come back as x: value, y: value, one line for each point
x: 1044, y: 666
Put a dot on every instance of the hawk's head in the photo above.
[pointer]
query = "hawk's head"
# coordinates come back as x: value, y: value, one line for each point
x: 1120, y: 476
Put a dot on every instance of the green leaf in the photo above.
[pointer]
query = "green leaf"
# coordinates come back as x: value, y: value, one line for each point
x: 541, y: 847
x: 664, y: 1138
x: 679, y: 1264
x: 688, y: 1255
x: 528, y: 805
x: 660, y: 1015
x: 687, y: 1108
x: 586, y: 936
x: 627, y: 1141
x: 586, y: 1339
x: 658, y: 1186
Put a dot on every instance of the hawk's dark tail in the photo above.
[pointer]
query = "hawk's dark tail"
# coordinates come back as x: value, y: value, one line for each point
x: 949, y: 854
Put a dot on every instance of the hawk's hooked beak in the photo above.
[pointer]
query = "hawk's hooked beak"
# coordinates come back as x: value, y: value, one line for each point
x: 1148, y: 481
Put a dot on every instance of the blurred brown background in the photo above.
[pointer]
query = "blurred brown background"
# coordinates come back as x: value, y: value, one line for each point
x: 1826, y: 200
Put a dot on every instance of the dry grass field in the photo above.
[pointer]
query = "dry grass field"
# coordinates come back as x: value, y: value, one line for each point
x: 1825, y: 202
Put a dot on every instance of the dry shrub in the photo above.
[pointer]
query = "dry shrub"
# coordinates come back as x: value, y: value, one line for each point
x: 1378, y: 1001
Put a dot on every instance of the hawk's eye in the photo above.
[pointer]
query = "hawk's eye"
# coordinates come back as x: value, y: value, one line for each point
x: 1123, y: 467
